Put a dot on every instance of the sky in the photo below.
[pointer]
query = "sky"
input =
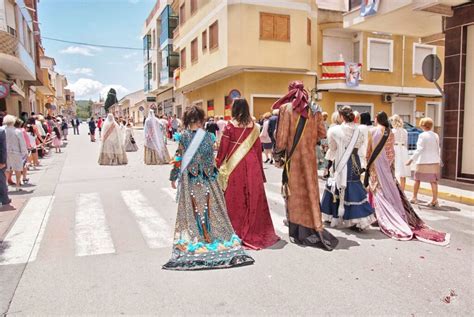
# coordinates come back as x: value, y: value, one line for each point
x: 90, y: 70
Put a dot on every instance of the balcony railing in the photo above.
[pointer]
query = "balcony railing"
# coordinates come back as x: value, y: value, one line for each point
x: 12, y: 46
x: 334, y: 70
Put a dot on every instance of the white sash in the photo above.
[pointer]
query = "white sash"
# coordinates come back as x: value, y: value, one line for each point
x: 340, y: 168
x: 189, y: 154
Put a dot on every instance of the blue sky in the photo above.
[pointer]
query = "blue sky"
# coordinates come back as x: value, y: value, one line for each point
x: 92, y: 71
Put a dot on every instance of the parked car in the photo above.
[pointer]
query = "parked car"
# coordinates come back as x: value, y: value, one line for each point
x: 413, y: 133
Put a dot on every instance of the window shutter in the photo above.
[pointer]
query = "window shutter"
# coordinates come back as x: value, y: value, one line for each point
x: 420, y: 54
x: 194, y: 50
x: 214, y: 35
x: 204, y: 40
x: 266, y: 26
x: 380, y: 58
x: 182, y: 14
x: 183, y: 58
x: 282, y: 28
x: 308, y: 32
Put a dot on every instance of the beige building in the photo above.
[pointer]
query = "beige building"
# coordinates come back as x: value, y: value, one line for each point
x: 129, y: 107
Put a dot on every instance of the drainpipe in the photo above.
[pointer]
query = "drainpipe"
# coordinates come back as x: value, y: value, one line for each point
x: 403, y: 62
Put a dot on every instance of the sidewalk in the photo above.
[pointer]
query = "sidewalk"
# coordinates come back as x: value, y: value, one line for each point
x: 447, y: 190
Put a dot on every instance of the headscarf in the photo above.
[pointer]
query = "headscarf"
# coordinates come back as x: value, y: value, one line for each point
x: 112, y: 141
x: 298, y: 96
x: 154, y: 136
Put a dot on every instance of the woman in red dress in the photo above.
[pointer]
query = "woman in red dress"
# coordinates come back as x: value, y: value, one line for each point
x: 240, y: 155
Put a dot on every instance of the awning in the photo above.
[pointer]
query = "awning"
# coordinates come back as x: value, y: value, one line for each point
x: 18, y: 90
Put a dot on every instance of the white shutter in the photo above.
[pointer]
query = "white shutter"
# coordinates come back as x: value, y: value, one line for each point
x: 420, y: 53
x: 10, y: 14
x: 380, y: 55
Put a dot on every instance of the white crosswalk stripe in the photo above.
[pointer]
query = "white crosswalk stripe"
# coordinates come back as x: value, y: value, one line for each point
x: 92, y: 232
x: 22, y: 242
x: 154, y: 228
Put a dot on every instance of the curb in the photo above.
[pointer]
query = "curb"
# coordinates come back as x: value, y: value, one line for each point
x: 458, y: 198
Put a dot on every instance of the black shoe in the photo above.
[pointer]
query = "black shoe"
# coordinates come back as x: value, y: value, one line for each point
x: 268, y: 160
x: 8, y: 202
x: 326, y: 243
x: 271, y: 161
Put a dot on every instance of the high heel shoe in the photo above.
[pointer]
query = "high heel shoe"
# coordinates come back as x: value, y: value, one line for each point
x: 434, y: 204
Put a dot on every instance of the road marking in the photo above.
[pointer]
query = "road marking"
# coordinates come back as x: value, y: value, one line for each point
x: 92, y: 232
x: 19, y: 245
x: 276, y: 218
x: 155, y: 230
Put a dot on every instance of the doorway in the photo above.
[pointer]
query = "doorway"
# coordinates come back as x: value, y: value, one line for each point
x: 405, y: 108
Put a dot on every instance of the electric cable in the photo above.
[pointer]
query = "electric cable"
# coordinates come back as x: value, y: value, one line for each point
x: 95, y: 45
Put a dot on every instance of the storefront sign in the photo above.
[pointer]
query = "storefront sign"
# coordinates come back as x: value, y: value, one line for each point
x: 369, y: 7
x: 4, y: 90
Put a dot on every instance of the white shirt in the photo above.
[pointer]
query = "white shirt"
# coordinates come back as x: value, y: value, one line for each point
x: 427, y: 149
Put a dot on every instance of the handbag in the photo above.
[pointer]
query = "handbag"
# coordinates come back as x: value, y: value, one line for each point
x: 132, y: 140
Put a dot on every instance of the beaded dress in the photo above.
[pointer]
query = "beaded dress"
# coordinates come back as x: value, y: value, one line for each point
x: 204, y: 237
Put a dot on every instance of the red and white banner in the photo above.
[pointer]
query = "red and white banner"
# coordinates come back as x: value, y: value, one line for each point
x: 333, y: 70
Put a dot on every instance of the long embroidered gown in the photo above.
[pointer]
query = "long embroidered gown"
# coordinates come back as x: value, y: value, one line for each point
x: 395, y: 215
x: 357, y: 210
x: 112, y: 149
x: 130, y: 144
x: 305, y: 220
x: 204, y: 237
x: 245, y: 194
x: 156, y: 152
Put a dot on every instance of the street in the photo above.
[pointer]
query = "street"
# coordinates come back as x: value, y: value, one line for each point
x: 92, y: 239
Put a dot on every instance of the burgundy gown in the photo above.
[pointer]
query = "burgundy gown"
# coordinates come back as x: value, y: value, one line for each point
x: 245, y: 197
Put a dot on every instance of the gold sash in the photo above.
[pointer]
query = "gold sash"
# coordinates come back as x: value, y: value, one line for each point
x: 231, y: 163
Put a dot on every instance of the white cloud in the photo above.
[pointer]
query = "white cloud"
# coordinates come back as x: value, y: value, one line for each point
x: 130, y: 55
x: 85, y: 88
x: 81, y: 50
x: 81, y: 71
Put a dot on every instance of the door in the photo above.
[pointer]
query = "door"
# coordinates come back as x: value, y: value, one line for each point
x: 405, y: 108
x: 433, y: 110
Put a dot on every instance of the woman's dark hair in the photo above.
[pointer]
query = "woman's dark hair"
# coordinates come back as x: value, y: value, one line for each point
x: 56, y: 131
x: 193, y: 114
x: 382, y: 119
x: 347, y: 114
x: 241, y: 112
x: 365, y: 118
x: 31, y: 121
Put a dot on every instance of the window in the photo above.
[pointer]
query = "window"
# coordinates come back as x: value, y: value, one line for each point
x: 182, y: 14
x: 204, y: 40
x: 194, y: 50
x: 154, y: 71
x: 275, y: 27
x: 359, y: 107
x: 183, y: 58
x: 194, y: 6
x: 354, y: 4
x: 214, y: 35
x: 337, y: 47
x: 420, y: 51
x: 308, y: 31
x: 380, y: 55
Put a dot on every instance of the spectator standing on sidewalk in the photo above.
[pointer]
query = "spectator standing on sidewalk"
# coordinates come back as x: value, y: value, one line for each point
x: 4, y: 199
x: 402, y: 171
x: 78, y: 123
x: 92, y: 128
x: 73, y: 123
x: 16, y: 150
x: 99, y: 126
x: 65, y: 128
x: 428, y: 161
x: 174, y: 125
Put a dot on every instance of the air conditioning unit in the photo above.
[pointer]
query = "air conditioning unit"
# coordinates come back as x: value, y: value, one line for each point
x: 388, y: 98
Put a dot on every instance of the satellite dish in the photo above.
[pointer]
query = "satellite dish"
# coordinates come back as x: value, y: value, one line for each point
x: 432, y: 68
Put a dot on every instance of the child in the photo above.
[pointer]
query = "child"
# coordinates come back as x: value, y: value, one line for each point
x: 204, y: 237
x: 57, y: 143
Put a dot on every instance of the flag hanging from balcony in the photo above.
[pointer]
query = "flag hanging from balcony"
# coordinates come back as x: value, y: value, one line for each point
x: 353, y: 74
x: 210, y: 108
x: 369, y: 7
x: 333, y: 70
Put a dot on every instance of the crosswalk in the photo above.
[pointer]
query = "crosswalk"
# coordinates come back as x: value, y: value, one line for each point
x: 93, y: 235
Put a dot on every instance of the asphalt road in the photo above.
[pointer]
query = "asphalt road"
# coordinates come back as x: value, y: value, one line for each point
x: 92, y: 239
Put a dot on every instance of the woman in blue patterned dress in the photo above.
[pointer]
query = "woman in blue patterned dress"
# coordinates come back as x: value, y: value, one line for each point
x: 204, y: 237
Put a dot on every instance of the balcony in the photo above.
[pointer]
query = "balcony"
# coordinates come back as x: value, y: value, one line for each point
x: 15, y: 61
x: 421, y: 18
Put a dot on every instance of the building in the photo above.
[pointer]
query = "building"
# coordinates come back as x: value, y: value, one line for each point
x: 160, y: 60
x: 437, y: 22
x: 17, y: 57
x: 250, y: 49
x: 130, y: 107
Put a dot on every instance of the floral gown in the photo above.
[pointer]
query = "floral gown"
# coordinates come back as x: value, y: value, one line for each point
x: 204, y: 237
